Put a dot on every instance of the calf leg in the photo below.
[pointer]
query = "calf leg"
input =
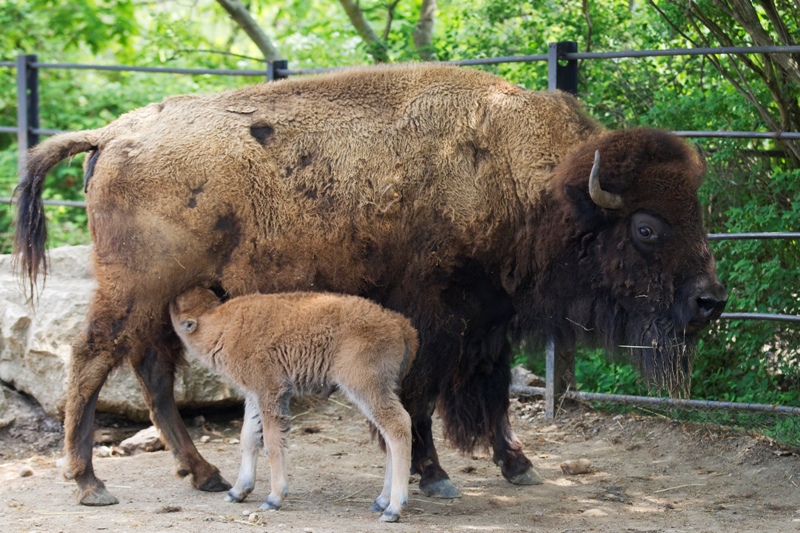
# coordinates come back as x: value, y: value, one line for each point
x: 275, y: 417
x: 156, y: 373
x: 383, y: 408
x: 88, y: 371
x: 396, y: 430
x: 251, y: 443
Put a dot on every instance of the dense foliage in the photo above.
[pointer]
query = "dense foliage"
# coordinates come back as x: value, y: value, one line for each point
x: 752, y: 184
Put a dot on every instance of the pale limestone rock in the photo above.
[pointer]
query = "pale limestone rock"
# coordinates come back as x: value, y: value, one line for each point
x: 35, y: 343
x: 147, y: 440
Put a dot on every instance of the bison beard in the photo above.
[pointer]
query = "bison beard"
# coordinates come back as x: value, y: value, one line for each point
x: 450, y: 195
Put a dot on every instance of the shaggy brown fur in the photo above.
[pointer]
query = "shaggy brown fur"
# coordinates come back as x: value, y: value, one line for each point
x: 445, y: 193
x: 280, y: 345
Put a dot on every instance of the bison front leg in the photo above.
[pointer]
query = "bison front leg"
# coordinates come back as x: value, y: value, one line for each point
x: 434, y: 481
x: 507, y: 448
x: 508, y: 455
x: 156, y: 373
x: 88, y: 371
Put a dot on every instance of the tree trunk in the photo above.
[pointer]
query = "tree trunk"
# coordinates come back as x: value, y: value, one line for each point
x: 423, y: 33
x: 376, y: 47
x: 245, y: 20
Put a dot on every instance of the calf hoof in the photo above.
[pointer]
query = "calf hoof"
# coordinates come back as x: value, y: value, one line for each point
x: 272, y: 503
x: 235, y: 496
x: 529, y: 477
x: 97, y: 497
x: 442, y: 488
x: 215, y: 483
x: 390, y: 517
x: 378, y: 506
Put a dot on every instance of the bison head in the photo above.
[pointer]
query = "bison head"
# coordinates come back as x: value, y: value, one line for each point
x: 635, y: 270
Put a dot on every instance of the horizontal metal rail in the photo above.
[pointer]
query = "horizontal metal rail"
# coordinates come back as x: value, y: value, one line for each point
x: 155, y: 70
x: 778, y: 135
x: 746, y: 236
x: 723, y: 50
x: 666, y: 402
x: 66, y: 203
x: 760, y: 316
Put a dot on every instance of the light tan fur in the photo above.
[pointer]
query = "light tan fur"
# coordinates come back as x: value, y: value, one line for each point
x: 281, y: 345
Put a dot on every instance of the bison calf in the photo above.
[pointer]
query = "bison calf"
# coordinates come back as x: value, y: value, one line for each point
x: 280, y: 345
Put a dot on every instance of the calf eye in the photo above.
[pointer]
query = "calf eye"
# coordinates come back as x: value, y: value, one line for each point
x: 188, y: 326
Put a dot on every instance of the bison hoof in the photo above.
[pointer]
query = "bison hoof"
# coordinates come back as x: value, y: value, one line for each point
x: 442, y: 488
x: 390, y: 517
x: 96, y: 497
x: 529, y: 477
x: 215, y: 483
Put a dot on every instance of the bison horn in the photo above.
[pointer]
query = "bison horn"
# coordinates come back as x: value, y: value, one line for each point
x: 599, y: 196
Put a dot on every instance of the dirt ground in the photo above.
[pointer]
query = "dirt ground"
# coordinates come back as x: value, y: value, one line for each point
x: 647, y: 475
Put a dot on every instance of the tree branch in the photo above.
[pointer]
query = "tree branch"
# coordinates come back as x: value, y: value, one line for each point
x: 221, y: 52
x: 585, y: 7
x: 389, y: 19
x: 245, y: 20
x: 771, y: 76
x: 376, y: 47
x: 423, y: 32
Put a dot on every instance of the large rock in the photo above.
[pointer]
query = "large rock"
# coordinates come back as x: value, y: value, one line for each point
x: 35, y: 343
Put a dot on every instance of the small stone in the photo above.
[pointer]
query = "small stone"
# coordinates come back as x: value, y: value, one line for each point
x: 199, y: 421
x: 233, y: 441
x: 577, y: 467
x: 26, y: 471
x: 7, y: 420
x: 147, y: 440
x: 102, y: 451
x: 252, y: 517
x: 308, y: 530
x: 60, y: 462
x: 594, y: 512
x: 205, y: 439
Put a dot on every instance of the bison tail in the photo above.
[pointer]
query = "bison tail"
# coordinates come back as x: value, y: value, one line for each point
x: 31, y: 229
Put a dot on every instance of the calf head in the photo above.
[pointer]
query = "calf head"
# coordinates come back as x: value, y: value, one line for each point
x: 189, y: 306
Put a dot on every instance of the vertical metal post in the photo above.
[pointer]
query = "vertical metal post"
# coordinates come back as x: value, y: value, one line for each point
x: 27, y: 105
x: 560, y: 372
x: 563, y: 77
x: 273, y: 68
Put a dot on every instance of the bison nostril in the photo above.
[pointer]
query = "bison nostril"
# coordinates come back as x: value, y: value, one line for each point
x: 710, y: 305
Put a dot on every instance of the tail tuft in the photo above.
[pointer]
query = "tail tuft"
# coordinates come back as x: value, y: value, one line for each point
x: 30, y: 237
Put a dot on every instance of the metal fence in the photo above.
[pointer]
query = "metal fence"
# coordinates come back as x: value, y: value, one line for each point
x: 562, y: 61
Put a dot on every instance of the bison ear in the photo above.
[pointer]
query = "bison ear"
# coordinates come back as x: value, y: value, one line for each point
x: 588, y: 213
x: 188, y: 326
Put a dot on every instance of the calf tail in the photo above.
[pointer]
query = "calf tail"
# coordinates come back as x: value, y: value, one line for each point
x: 31, y: 228
x: 411, y: 341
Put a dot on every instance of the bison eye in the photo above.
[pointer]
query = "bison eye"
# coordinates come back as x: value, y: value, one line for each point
x: 647, y: 230
x: 647, y: 233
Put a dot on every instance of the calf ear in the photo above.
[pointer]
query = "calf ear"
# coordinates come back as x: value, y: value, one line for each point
x: 188, y: 326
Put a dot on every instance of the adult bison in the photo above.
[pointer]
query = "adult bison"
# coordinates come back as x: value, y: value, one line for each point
x: 471, y: 205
